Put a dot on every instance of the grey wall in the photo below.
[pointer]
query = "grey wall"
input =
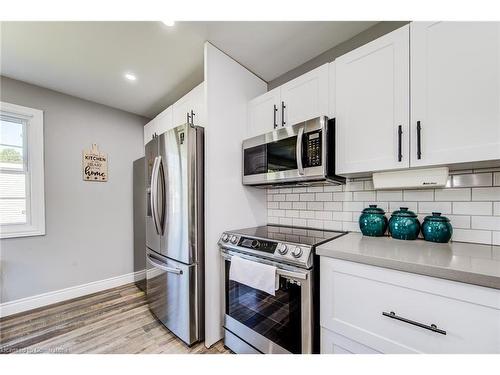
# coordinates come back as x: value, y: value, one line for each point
x: 89, y: 225
x: 364, y: 37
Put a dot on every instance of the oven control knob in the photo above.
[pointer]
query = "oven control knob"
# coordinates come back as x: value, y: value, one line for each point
x: 234, y: 239
x: 225, y: 237
x: 255, y: 244
x: 297, y: 252
x: 282, y: 249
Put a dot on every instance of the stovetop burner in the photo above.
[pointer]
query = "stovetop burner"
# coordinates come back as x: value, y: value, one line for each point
x: 284, y: 244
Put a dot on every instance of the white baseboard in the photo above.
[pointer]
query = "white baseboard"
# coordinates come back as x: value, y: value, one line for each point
x: 29, y: 303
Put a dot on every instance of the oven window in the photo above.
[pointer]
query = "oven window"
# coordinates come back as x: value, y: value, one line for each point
x: 281, y: 155
x: 255, y: 160
x: 278, y: 317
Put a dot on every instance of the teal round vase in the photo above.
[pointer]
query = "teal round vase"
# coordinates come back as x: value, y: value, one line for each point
x: 404, y: 225
x: 372, y: 221
x: 437, y: 228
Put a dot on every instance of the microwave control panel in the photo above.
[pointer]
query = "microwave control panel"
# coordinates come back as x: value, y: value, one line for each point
x: 312, y: 148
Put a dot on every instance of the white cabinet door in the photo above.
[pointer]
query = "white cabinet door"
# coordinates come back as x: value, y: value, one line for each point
x: 331, y: 90
x: 455, y: 92
x: 164, y: 121
x: 192, y: 101
x: 263, y: 113
x: 149, y: 131
x: 372, y: 100
x: 305, y: 97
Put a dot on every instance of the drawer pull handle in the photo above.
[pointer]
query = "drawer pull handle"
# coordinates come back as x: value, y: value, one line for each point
x: 431, y: 327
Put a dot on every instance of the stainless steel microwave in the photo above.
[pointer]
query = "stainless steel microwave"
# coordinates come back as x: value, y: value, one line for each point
x: 301, y: 154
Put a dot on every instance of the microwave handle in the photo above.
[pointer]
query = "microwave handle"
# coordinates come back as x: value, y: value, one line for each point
x: 298, y: 150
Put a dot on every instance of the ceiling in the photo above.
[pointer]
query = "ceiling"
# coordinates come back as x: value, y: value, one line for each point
x: 89, y: 59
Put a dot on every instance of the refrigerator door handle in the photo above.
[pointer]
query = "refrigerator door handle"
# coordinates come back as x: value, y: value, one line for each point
x: 161, y: 215
x: 154, y: 193
x: 161, y: 266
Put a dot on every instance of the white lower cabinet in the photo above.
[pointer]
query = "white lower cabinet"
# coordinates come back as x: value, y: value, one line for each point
x: 354, y: 298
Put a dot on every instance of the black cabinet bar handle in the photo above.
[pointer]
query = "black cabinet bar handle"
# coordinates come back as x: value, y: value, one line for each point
x: 192, y: 117
x: 400, y: 134
x: 188, y: 119
x: 419, y: 141
x: 431, y: 327
x: 283, y: 114
x: 275, y: 124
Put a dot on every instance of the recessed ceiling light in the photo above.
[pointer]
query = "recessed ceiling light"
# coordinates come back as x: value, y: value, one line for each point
x: 130, y: 76
x: 169, y: 23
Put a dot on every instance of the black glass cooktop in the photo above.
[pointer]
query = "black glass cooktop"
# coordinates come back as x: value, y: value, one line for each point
x: 298, y: 235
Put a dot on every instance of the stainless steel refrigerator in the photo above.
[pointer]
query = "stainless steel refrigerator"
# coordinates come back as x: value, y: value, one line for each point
x: 175, y: 230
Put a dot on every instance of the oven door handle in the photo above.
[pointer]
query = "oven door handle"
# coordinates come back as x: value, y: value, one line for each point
x: 279, y: 271
x: 298, y: 150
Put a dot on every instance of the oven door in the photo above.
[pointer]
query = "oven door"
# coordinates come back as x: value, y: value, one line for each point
x: 270, y: 324
x: 294, y: 153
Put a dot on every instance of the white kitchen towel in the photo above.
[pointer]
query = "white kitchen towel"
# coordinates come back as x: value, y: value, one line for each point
x: 256, y: 275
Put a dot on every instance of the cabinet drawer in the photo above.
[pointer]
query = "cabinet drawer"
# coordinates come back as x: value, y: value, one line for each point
x: 355, y: 296
x: 333, y: 343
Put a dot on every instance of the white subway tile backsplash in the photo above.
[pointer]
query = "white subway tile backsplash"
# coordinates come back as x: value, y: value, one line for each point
x: 418, y: 195
x: 271, y: 204
x: 394, y: 206
x: 285, y: 205
x: 345, y: 196
x: 332, y: 188
x: 315, y: 205
x: 472, y: 208
x: 324, y: 197
x: 323, y: 215
x: 333, y: 206
x: 474, y: 211
x: 496, y: 238
x: 364, y: 196
x: 332, y: 225
x: 452, y: 194
x: 309, y: 197
x: 486, y: 194
x: 459, y: 221
x: 496, y: 208
x: 315, y: 189
x: 354, y: 186
x: 471, y: 235
x: 486, y: 222
x: 389, y: 195
x: 428, y: 207
x: 353, y: 206
x: 318, y: 224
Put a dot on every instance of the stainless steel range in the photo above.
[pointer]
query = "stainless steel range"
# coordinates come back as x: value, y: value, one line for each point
x: 287, y: 322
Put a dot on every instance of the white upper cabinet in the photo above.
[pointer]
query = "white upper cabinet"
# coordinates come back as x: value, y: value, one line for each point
x: 193, y: 103
x: 331, y: 90
x: 264, y: 113
x: 372, y: 105
x: 305, y: 97
x: 455, y: 92
x: 300, y: 99
x: 160, y: 124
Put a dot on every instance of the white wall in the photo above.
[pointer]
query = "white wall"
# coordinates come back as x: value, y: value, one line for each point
x: 228, y: 204
x: 89, y: 225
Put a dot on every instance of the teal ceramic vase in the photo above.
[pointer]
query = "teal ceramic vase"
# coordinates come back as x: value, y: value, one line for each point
x: 404, y: 225
x: 372, y: 221
x: 437, y: 228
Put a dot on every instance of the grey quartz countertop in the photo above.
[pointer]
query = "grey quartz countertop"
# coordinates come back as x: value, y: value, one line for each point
x: 457, y: 261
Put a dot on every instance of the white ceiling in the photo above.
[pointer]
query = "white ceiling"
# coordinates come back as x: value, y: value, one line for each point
x: 89, y: 59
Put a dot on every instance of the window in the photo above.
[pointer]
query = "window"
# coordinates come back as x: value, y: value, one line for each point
x: 22, y: 208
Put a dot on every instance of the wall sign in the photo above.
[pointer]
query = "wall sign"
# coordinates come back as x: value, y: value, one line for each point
x: 94, y: 165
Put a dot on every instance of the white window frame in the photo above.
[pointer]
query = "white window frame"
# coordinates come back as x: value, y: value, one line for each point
x: 35, y: 225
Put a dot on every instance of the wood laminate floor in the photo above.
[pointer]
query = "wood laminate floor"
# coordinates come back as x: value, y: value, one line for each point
x: 112, y: 321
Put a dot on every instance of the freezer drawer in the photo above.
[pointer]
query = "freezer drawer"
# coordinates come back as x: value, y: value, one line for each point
x: 173, y: 295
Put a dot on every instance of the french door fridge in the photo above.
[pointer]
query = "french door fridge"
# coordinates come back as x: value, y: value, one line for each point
x: 175, y: 230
